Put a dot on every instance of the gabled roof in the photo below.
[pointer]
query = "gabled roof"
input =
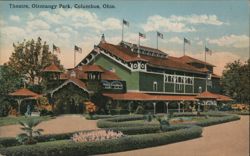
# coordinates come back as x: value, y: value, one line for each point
x: 120, y: 52
x: 167, y: 62
x: 51, y: 68
x: 23, y: 92
x: 144, y: 48
x: 209, y: 95
x: 188, y: 59
x: 74, y: 81
x: 81, y: 72
x: 92, y: 68
x: 206, y: 95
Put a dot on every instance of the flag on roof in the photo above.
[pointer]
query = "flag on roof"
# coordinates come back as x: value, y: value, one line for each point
x: 159, y: 35
x: 187, y: 41
x: 78, y: 49
x: 142, y: 35
x: 56, y: 49
x: 125, y: 22
x: 207, y: 50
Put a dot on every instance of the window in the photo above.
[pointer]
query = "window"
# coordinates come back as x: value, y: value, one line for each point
x: 116, y: 85
x: 106, y: 84
x: 72, y: 74
x: 155, y: 86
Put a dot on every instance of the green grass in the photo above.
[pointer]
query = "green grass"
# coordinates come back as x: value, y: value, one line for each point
x: 15, y: 120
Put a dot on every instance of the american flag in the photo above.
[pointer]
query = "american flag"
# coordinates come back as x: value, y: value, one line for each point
x: 142, y: 35
x: 159, y: 35
x: 56, y: 49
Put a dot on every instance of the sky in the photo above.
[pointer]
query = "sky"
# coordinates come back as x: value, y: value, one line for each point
x: 222, y: 26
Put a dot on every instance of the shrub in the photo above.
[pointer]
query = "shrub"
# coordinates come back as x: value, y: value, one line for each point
x: 139, y: 110
x: 148, y: 117
x: 28, y: 128
x: 65, y: 148
x: 96, y: 136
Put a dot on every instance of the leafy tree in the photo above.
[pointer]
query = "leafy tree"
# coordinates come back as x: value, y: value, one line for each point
x: 10, y: 81
x: 30, y: 57
x: 28, y: 128
x: 235, y: 80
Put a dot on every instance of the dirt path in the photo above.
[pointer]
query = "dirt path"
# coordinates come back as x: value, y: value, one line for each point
x: 229, y: 139
x: 61, y: 124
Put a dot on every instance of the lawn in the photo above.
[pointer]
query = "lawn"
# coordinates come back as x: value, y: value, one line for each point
x: 15, y: 120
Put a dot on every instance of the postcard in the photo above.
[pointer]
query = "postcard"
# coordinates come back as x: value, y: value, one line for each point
x: 124, y: 77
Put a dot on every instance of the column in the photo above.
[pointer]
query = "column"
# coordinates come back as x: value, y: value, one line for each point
x: 167, y: 106
x: 154, y: 103
x: 179, y: 107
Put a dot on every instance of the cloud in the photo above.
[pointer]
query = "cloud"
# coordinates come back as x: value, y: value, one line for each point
x: 179, y: 23
x: 37, y: 24
x: 2, y: 23
x: 52, y: 18
x: 30, y: 16
x: 10, y: 33
x: 15, y: 18
x: 160, y: 23
x: 197, y: 19
x: 175, y: 40
x: 237, y: 41
x: 200, y: 43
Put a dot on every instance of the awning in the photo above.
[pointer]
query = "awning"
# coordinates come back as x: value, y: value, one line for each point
x: 135, y: 96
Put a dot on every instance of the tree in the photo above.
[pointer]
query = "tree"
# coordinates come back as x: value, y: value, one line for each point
x: 28, y: 128
x: 235, y: 80
x: 30, y: 58
x: 10, y: 81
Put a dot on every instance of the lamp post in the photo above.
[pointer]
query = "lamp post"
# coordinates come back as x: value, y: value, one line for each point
x: 199, y: 103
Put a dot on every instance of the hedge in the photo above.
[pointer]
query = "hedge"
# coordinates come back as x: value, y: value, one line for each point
x: 66, y: 147
x: 118, y: 121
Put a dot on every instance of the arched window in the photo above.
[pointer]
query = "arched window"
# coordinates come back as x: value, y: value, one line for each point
x: 106, y: 84
x: 73, y: 74
x: 155, y: 86
x: 116, y: 85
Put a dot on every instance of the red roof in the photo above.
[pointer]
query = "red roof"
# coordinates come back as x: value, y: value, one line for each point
x: 149, y: 97
x: 51, y: 68
x: 92, y: 68
x: 75, y: 81
x: 81, y: 72
x: 24, y: 93
x: 154, y: 97
x: 78, y: 82
x: 223, y: 98
x: 206, y: 95
x: 127, y: 55
x: 188, y: 59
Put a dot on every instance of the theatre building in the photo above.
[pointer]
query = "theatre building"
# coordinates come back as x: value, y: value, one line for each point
x: 130, y: 74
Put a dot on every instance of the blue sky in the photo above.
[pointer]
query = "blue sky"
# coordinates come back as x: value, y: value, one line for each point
x: 222, y: 25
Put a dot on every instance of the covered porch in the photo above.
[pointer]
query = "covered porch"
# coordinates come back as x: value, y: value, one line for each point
x: 155, y: 103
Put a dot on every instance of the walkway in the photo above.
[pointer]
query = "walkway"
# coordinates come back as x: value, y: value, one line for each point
x: 229, y: 139
x: 61, y: 124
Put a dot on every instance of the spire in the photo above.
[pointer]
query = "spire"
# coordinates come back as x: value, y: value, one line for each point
x: 103, y: 39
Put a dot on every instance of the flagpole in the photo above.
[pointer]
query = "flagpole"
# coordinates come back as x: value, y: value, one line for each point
x: 206, y: 65
x: 53, y: 49
x: 74, y: 58
x: 122, y: 30
x: 156, y: 40
x: 138, y: 55
x: 184, y: 48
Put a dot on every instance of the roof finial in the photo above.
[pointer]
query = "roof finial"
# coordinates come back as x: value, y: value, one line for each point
x: 103, y: 39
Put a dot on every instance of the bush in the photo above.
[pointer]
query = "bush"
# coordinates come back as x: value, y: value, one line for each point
x: 65, y: 148
x: 139, y: 110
